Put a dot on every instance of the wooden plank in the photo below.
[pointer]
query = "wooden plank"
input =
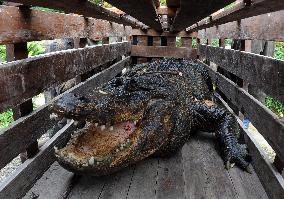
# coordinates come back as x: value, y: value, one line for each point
x: 13, y: 140
x: 206, y: 176
x: 26, y: 175
x: 21, y: 80
x: 15, y: 28
x: 137, y: 10
x: 192, y: 11
x: 53, y: 184
x: 263, y: 27
x: 163, y: 51
x: 270, y: 178
x: 170, y: 181
x: 143, y: 183
x: 259, y: 71
x: 240, y: 10
x: 267, y: 123
x: 118, y: 184
x: 88, y: 187
x: 154, y: 33
x: 85, y: 8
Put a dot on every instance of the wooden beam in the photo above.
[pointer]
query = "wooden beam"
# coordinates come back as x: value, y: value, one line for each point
x: 260, y: 71
x: 154, y: 33
x: 241, y: 10
x: 142, y: 10
x: 82, y: 7
x: 270, y: 178
x: 164, y: 10
x: 15, y: 28
x: 263, y: 27
x: 266, y: 122
x: 192, y: 11
x: 13, y: 139
x: 163, y: 51
x: 27, y: 174
x: 26, y: 78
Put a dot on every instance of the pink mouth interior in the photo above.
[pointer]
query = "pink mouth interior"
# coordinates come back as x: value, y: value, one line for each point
x: 99, y: 141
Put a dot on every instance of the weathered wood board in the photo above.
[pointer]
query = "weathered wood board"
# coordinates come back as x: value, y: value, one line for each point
x: 163, y: 51
x: 23, y: 79
x: 260, y: 71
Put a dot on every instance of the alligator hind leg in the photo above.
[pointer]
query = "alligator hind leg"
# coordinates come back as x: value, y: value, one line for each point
x: 210, y: 117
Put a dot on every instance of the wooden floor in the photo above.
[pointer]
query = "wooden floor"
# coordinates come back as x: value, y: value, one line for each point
x: 196, y: 172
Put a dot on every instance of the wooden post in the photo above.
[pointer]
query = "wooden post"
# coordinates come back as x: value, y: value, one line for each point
x: 142, y: 41
x: 186, y: 42
x: 171, y: 41
x: 15, y: 52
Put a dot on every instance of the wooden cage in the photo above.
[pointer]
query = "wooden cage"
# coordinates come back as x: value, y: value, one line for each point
x: 142, y: 31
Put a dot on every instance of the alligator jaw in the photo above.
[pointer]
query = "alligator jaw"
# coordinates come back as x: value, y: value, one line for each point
x: 95, y: 148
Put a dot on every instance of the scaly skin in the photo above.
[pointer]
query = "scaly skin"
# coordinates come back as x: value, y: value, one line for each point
x: 150, y: 110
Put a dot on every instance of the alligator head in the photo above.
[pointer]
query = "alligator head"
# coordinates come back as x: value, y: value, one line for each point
x: 149, y: 110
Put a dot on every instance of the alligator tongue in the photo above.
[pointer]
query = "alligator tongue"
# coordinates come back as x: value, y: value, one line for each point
x: 99, y: 141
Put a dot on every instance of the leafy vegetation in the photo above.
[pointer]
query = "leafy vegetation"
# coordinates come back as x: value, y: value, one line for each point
x: 194, y: 43
x: 2, y: 53
x: 35, y: 48
x: 6, y: 118
x: 163, y: 2
x: 275, y: 106
x: 46, y: 9
x: 279, y: 50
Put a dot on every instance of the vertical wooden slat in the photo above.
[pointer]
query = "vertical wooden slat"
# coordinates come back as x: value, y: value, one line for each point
x: 142, y: 41
x: 186, y: 42
x: 171, y: 41
x: 16, y: 52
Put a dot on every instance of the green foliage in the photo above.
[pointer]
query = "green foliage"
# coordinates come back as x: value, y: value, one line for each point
x: 230, y: 6
x: 178, y: 42
x: 35, y: 48
x: 228, y: 42
x: 163, y: 2
x: 215, y: 42
x: 46, y: 9
x: 275, y: 106
x: 6, y: 118
x: 279, y: 50
x: 3, y: 53
x: 194, y: 43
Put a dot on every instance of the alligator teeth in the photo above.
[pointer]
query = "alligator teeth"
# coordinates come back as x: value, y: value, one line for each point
x: 103, y: 92
x: 117, y: 150
x: 135, y: 122
x: 111, y: 128
x: 103, y: 127
x: 56, y: 149
x: 92, y: 161
x: 124, y: 70
x: 180, y: 74
x: 53, y: 116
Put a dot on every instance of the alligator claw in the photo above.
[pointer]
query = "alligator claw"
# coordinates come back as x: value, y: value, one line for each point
x: 236, y: 155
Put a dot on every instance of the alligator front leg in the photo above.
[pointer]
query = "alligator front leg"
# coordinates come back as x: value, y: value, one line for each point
x: 210, y: 117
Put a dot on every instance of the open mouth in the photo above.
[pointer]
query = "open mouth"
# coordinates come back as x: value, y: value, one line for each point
x: 98, y: 146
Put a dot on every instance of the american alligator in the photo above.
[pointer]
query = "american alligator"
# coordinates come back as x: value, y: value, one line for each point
x: 151, y: 110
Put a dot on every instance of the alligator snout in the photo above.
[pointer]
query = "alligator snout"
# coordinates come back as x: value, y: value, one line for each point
x: 69, y: 106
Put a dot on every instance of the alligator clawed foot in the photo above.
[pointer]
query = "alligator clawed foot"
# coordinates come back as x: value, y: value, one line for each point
x: 237, y: 155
